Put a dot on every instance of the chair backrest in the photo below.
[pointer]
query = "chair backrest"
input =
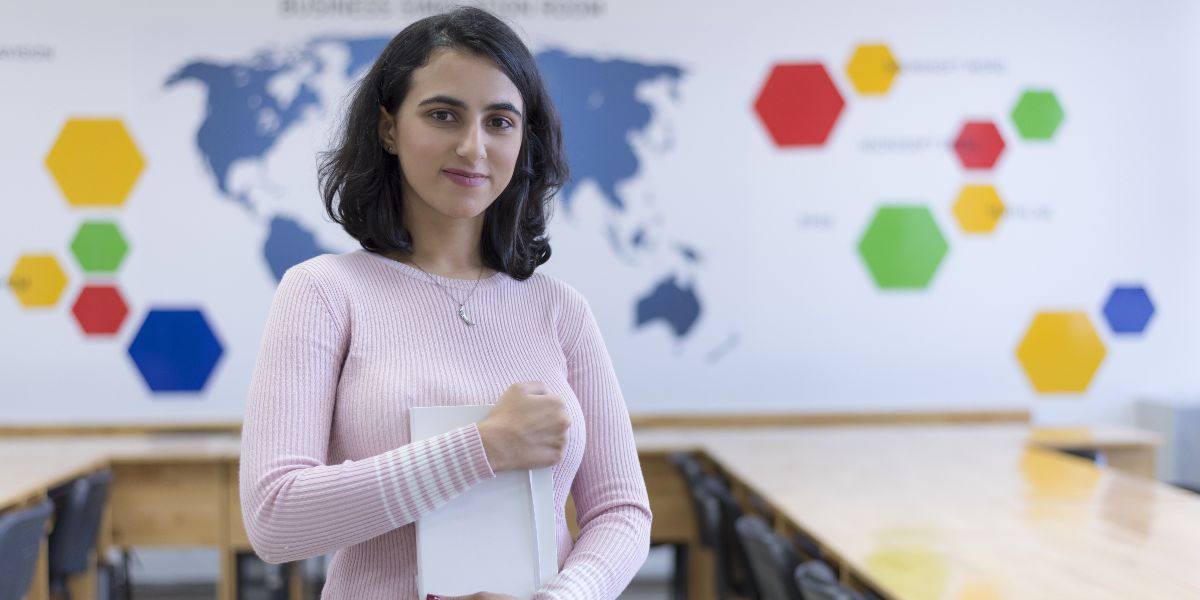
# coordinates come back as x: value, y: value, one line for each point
x: 709, y: 517
x: 21, y: 533
x: 736, y: 561
x: 708, y: 514
x: 693, y: 474
x: 772, y: 559
x: 817, y: 581
x: 1191, y: 487
x: 688, y: 465
x: 77, y: 523
x: 808, y: 547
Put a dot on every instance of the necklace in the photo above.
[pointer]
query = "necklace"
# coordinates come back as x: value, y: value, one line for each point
x: 462, y: 306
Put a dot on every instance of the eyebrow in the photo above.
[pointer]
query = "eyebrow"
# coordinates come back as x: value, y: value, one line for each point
x: 455, y: 102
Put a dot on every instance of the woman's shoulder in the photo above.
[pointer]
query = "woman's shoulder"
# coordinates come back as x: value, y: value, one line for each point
x: 332, y: 268
x: 330, y: 275
x: 557, y: 290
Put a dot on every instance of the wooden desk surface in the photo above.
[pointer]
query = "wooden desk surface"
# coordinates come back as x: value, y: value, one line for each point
x: 27, y: 476
x: 32, y: 465
x: 922, y: 512
x: 966, y: 512
x: 1103, y: 438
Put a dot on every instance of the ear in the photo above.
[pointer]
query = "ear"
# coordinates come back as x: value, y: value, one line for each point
x: 387, y: 128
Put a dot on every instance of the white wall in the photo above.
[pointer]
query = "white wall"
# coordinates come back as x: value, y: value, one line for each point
x: 791, y: 320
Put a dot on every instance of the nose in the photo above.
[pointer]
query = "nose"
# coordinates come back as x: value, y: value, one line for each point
x: 472, y: 146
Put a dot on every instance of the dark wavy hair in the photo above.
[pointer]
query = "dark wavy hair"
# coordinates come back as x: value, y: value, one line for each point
x: 360, y: 182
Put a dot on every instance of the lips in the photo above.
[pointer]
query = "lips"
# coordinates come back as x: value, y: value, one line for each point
x: 465, y: 178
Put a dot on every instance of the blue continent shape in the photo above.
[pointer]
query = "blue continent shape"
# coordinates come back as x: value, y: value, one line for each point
x: 598, y: 106
x: 363, y: 51
x: 289, y: 244
x: 242, y: 120
x: 678, y: 306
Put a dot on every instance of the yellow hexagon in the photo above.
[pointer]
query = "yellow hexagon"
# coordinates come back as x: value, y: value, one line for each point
x: 872, y: 68
x: 1061, y: 352
x: 95, y: 162
x: 37, y: 280
x: 978, y: 208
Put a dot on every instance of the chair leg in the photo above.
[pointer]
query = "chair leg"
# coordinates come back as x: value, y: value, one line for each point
x: 126, y: 580
x: 679, y: 583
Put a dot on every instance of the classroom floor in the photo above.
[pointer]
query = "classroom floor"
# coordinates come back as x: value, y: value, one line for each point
x: 651, y: 583
x: 636, y: 591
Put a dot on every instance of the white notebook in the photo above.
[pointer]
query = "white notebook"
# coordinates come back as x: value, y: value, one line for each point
x: 497, y: 536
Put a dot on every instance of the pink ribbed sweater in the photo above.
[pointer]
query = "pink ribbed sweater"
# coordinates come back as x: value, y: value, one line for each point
x: 351, y: 343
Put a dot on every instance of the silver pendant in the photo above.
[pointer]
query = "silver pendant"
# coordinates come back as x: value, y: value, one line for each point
x: 462, y: 314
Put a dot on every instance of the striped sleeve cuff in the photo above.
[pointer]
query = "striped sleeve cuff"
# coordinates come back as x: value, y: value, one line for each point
x: 416, y: 479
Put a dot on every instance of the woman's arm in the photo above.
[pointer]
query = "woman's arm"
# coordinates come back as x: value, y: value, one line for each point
x: 295, y: 505
x: 610, y: 494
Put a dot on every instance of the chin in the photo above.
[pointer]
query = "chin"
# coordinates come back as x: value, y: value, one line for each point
x: 464, y: 210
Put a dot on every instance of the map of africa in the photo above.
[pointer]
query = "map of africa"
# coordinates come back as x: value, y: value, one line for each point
x: 246, y: 119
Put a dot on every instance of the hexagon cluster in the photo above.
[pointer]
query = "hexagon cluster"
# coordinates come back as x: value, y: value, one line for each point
x: 96, y: 164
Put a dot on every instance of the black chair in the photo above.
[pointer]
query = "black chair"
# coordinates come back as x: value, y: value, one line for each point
x: 79, y: 508
x: 692, y: 471
x: 1186, y: 487
x: 21, y: 533
x: 734, y: 559
x: 817, y: 581
x: 689, y: 467
x: 708, y: 521
x: 759, y: 505
x: 772, y: 559
x: 260, y: 580
x: 1091, y: 455
x: 808, y: 547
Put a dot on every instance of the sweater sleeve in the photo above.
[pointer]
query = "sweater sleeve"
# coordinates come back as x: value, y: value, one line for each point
x: 296, y: 506
x: 612, y: 509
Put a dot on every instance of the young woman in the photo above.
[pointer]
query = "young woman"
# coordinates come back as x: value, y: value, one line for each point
x: 449, y: 160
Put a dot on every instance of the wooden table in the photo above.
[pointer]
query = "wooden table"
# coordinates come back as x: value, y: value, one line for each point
x: 964, y: 512
x: 1129, y: 450
x: 168, y: 490
x: 960, y: 511
x: 28, y: 476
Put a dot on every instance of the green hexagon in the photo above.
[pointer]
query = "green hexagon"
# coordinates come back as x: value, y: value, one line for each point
x: 903, y: 247
x: 1037, y: 114
x: 99, y: 247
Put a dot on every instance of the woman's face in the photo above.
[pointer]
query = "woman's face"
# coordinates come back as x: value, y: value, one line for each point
x: 457, y: 134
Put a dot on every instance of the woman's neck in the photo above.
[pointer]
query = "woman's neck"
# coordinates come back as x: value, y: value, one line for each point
x: 443, y: 246
x: 461, y: 267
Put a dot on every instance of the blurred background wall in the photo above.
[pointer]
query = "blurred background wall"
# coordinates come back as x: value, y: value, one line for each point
x: 776, y: 206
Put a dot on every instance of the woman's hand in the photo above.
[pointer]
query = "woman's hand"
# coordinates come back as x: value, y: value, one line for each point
x: 527, y: 428
x: 475, y: 596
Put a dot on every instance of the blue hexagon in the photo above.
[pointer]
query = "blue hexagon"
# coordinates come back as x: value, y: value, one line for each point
x: 175, y: 350
x: 1128, y: 309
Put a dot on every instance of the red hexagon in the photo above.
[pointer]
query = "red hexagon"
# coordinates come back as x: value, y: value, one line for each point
x: 100, y: 310
x: 979, y: 145
x: 799, y: 104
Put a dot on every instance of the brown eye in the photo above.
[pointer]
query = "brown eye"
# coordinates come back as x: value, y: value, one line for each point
x: 444, y: 116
